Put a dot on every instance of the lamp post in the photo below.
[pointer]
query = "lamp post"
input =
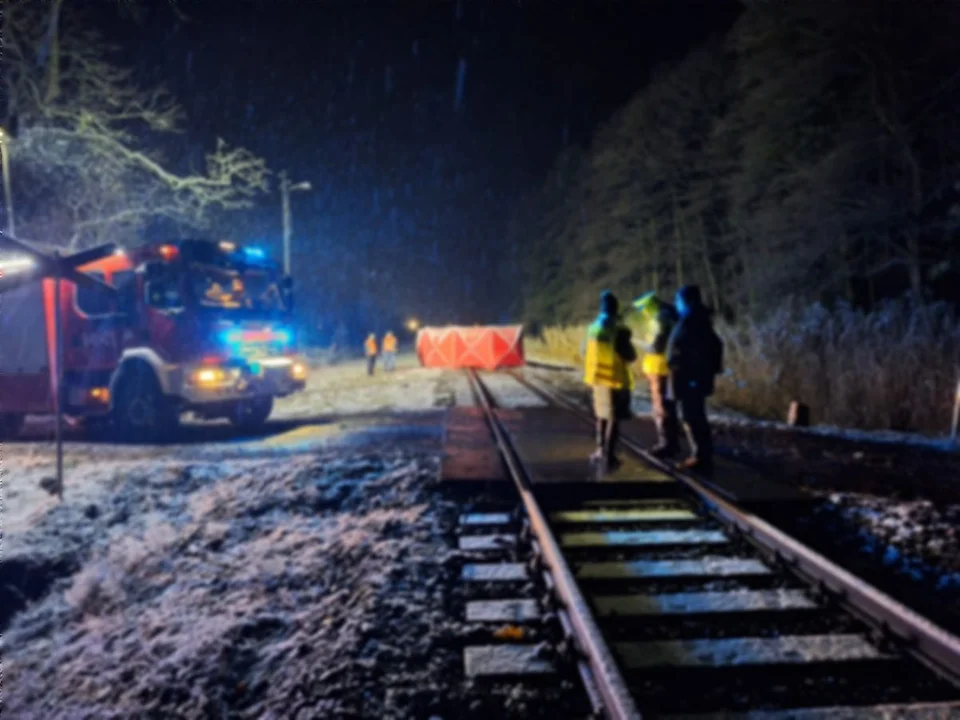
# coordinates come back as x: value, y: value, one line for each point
x: 57, y: 267
x: 286, y: 187
x: 5, y: 140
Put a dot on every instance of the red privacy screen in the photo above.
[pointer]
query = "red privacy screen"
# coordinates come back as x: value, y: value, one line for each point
x: 487, y: 347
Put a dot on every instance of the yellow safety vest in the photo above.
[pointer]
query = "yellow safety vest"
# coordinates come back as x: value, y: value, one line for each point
x: 371, y: 346
x: 390, y: 343
x: 603, y: 365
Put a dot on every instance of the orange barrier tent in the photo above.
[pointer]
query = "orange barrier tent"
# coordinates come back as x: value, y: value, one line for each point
x: 487, y: 347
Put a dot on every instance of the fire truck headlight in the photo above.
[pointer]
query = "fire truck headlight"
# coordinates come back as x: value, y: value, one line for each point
x: 298, y: 371
x: 209, y: 377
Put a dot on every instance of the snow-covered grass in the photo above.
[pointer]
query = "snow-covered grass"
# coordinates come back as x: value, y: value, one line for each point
x: 311, y: 584
x: 344, y: 388
x: 891, y: 369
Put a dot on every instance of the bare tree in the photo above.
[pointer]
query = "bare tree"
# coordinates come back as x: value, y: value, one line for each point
x: 84, y: 133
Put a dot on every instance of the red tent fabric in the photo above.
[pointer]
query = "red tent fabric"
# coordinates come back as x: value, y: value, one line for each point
x: 487, y: 347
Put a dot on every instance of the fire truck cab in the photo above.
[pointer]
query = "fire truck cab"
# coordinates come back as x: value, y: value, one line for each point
x: 195, y: 326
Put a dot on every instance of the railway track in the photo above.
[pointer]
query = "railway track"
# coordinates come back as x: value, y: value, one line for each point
x: 680, y: 604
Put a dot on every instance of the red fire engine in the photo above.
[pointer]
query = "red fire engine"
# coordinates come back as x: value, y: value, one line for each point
x: 195, y: 326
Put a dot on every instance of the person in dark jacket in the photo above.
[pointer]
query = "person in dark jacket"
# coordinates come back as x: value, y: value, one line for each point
x: 695, y: 358
x: 608, y: 354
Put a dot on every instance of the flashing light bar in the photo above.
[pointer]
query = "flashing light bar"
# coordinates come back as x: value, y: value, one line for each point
x: 228, y: 246
x: 238, y: 337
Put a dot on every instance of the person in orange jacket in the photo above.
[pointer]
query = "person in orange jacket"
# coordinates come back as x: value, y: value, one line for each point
x: 389, y: 352
x: 370, y: 348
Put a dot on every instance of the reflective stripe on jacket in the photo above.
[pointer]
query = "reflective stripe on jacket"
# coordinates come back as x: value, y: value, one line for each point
x: 603, y: 365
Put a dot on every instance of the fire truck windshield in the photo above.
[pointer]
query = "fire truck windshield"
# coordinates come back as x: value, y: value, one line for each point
x: 253, y: 290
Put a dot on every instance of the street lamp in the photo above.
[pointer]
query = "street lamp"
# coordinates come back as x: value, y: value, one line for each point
x: 286, y: 187
x: 5, y: 140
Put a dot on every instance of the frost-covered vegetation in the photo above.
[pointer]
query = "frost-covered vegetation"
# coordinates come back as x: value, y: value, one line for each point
x: 893, y: 368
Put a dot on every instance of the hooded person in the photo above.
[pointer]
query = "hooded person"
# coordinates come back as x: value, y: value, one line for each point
x: 695, y: 358
x: 658, y: 318
x: 607, y: 356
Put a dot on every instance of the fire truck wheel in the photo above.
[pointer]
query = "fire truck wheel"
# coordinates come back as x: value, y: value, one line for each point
x: 10, y: 425
x: 141, y: 412
x: 251, y: 414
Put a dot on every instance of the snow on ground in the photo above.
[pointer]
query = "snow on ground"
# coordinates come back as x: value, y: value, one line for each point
x: 231, y: 574
x: 249, y: 588
x: 346, y: 389
x: 915, y: 534
x: 508, y: 393
x: 306, y: 570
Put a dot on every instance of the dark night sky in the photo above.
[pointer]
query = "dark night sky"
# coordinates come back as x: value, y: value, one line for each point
x: 360, y: 98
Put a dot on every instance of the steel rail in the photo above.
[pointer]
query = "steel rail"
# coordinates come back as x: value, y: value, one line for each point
x: 927, y: 642
x: 608, y: 681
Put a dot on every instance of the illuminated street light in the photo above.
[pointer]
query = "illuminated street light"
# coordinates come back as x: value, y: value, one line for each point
x: 286, y: 187
x: 413, y: 324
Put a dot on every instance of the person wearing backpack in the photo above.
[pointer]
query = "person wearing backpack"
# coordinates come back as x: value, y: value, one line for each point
x: 695, y: 358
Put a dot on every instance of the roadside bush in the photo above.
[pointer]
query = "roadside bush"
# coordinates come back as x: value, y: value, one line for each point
x: 894, y: 368
x: 557, y: 344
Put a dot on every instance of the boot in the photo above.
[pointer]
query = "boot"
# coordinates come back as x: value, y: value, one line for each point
x: 696, y: 465
x: 612, y: 464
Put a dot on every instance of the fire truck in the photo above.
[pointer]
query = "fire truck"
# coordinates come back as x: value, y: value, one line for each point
x: 194, y: 326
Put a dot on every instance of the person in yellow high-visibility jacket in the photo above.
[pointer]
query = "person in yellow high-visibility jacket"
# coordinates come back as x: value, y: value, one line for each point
x: 659, y: 319
x: 370, y: 349
x: 389, y: 352
x: 607, y: 357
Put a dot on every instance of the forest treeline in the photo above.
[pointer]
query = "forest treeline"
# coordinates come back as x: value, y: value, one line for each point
x: 809, y: 154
